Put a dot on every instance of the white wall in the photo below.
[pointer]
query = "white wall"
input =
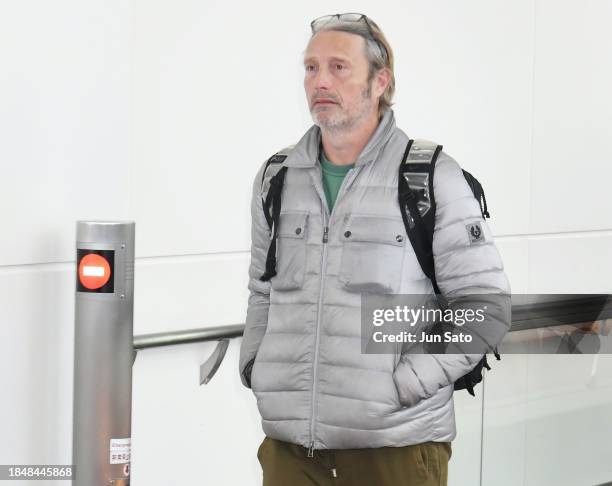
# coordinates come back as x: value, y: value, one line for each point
x: 161, y: 113
x: 64, y: 155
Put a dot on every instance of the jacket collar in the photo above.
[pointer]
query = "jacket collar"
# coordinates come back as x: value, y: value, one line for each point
x: 306, y: 152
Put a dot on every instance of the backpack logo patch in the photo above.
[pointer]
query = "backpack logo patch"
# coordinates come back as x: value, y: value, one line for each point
x: 475, y: 233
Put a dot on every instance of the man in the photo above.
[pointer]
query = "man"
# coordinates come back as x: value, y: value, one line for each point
x: 332, y: 414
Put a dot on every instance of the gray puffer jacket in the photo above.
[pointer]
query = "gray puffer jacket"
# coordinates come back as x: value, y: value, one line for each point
x: 313, y: 385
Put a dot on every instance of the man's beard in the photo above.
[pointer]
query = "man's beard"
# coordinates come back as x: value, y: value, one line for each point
x: 342, y: 122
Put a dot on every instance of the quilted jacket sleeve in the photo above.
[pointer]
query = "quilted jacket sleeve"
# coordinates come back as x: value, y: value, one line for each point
x: 470, y: 275
x: 259, y: 297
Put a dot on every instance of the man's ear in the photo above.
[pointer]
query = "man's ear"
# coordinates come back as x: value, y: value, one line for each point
x: 382, y: 78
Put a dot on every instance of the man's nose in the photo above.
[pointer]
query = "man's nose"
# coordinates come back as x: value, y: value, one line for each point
x: 322, y: 78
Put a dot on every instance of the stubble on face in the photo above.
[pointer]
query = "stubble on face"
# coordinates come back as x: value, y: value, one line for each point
x: 336, y: 119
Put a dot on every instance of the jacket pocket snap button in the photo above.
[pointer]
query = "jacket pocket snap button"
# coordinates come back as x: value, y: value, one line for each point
x: 298, y: 231
x: 399, y: 238
x: 347, y: 234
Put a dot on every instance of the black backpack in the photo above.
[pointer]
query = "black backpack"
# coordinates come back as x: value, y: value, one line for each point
x: 417, y: 206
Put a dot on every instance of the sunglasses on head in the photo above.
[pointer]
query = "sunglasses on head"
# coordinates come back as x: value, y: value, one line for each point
x: 328, y: 20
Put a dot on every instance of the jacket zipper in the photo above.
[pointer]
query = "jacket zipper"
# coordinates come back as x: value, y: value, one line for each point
x: 318, y: 187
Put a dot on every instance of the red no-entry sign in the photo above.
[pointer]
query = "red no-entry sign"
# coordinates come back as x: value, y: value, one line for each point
x: 95, y: 270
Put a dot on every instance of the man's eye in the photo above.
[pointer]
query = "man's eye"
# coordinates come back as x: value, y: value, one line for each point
x: 339, y: 67
x: 310, y: 67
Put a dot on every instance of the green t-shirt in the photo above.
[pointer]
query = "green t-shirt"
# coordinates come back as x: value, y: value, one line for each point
x: 333, y: 175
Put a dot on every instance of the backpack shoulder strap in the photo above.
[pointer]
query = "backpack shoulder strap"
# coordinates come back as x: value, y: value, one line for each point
x: 271, y: 169
x: 416, y: 200
x: 272, y: 181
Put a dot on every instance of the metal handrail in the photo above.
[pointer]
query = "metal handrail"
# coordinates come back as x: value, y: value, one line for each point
x: 187, y: 336
x: 571, y: 309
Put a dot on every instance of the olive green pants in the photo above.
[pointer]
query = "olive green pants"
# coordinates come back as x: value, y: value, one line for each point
x: 286, y: 464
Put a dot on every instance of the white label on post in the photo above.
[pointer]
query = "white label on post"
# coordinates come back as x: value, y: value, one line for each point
x: 120, y: 451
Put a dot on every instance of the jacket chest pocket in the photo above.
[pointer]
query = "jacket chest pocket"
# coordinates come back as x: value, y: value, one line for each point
x: 372, y: 254
x: 290, y: 251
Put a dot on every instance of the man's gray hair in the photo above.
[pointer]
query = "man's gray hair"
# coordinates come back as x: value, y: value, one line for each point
x: 377, y: 51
